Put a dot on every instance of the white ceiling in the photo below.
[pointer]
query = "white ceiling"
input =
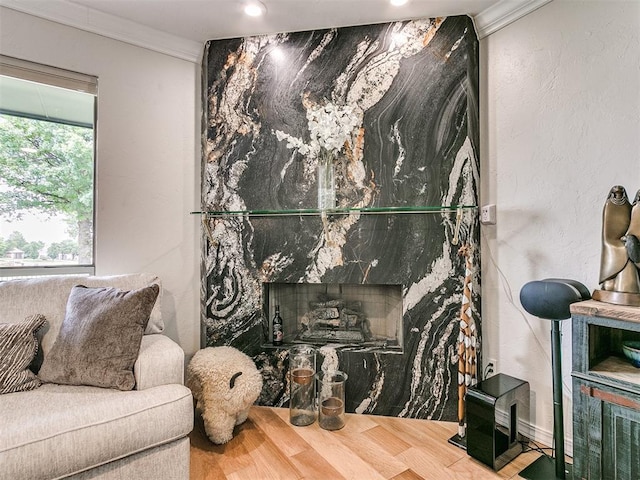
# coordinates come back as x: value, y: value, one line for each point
x: 181, y: 27
x: 202, y: 20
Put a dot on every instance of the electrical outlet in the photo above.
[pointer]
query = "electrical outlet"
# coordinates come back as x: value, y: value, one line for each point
x: 488, y: 214
x: 491, y: 368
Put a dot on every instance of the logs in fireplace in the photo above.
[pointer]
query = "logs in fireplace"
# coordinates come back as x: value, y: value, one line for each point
x: 362, y: 315
x: 335, y: 320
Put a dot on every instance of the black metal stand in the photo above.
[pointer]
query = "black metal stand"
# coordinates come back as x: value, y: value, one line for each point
x: 547, y: 468
x: 458, y: 441
x: 544, y: 468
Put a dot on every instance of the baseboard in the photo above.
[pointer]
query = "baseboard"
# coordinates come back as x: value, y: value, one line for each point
x: 537, y: 434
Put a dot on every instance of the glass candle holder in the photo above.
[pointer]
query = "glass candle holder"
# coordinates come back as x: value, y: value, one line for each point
x: 302, y: 385
x: 331, y: 399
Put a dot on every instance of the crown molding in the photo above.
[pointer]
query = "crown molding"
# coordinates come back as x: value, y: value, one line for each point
x: 504, y: 13
x: 61, y: 11
x: 107, y: 25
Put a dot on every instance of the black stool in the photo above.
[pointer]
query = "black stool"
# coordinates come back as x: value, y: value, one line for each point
x: 549, y: 299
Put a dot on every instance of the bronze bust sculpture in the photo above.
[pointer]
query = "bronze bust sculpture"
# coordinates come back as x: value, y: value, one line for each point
x: 620, y: 259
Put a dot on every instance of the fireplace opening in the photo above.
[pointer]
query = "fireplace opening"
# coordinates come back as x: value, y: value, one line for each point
x: 369, y: 316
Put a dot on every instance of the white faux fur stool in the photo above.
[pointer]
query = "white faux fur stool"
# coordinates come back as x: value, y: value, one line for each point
x: 225, y: 383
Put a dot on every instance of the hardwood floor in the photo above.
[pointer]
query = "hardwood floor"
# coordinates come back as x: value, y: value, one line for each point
x: 369, y: 447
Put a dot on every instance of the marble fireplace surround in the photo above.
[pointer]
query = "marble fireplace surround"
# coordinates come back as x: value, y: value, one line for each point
x: 411, y: 89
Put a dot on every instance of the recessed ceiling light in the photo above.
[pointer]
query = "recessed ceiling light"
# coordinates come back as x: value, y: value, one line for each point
x: 255, y: 8
x: 397, y: 3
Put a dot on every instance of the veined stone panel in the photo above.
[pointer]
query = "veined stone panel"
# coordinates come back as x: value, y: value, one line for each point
x: 395, y: 109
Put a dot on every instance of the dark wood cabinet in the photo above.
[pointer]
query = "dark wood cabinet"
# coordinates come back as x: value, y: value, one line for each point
x: 606, y: 392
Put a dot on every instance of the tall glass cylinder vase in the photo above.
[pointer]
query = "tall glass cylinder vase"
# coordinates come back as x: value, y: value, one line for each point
x: 331, y: 399
x: 326, y: 183
x: 302, y: 385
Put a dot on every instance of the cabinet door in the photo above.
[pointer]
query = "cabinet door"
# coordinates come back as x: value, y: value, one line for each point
x: 606, y: 433
x: 621, y: 442
x: 587, y: 433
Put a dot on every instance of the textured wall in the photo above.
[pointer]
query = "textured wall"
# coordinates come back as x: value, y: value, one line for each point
x: 561, y: 124
x: 408, y: 95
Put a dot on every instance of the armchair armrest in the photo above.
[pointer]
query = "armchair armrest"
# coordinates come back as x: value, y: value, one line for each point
x: 160, y: 362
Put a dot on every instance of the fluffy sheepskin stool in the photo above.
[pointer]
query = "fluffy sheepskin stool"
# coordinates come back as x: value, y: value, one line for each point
x: 225, y: 383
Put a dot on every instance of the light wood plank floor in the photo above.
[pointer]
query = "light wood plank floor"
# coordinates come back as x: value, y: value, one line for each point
x: 369, y: 447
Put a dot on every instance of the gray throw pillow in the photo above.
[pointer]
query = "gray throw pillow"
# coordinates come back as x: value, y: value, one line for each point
x: 18, y: 347
x: 100, y: 336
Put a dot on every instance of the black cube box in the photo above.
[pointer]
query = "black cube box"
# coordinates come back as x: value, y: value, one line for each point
x: 495, y: 407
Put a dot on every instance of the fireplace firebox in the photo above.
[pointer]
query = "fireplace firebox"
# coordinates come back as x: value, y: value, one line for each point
x: 361, y: 315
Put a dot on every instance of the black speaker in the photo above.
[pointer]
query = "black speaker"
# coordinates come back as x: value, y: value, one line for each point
x: 495, y: 408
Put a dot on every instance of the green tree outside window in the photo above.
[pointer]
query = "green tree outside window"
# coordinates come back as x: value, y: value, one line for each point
x: 47, y: 167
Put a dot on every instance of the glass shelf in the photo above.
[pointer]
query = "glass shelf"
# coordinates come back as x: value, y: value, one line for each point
x: 339, y: 211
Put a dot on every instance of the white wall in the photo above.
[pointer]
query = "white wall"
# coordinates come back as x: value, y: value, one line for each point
x: 560, y: 119
x: 148, y: 157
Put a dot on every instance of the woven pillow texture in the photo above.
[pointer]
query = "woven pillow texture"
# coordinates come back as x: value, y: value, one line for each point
x: 18, y: 348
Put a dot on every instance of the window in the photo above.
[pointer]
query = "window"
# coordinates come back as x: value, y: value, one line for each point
x: 47, y: 169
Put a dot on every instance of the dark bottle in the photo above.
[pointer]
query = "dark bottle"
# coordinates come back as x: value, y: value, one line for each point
x: 278, y: 333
